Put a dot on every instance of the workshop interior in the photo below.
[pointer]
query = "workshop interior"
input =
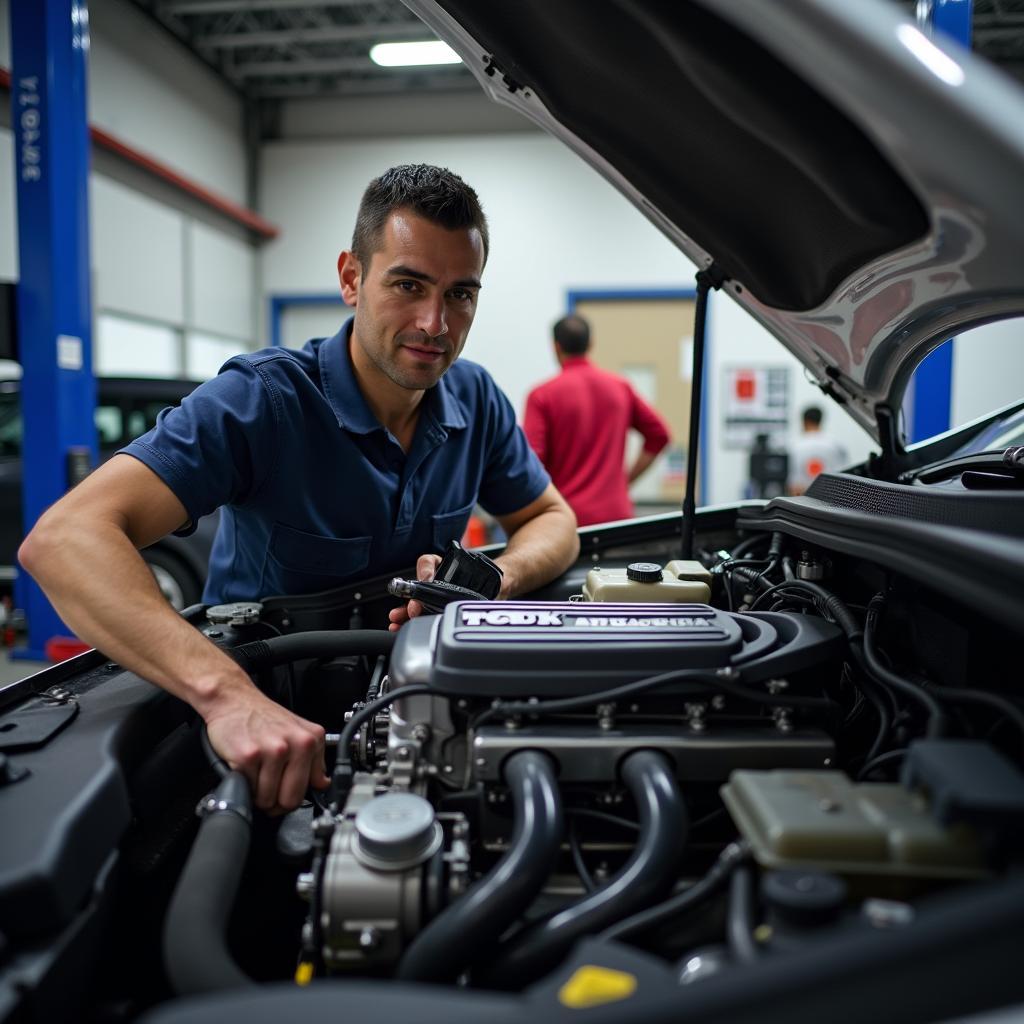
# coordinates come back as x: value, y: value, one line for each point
x: 758, y: 755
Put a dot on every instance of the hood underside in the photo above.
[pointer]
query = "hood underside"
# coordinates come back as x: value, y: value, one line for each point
x: 858, y: 187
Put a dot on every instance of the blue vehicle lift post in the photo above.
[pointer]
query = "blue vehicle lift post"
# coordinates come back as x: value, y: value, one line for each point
x: 933, y: 378
x: 50, y: 43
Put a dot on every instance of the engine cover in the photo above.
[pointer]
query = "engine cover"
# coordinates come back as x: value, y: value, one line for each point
x: 519, y: 648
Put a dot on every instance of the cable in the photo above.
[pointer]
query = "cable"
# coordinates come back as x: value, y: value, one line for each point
x: 937, y: 724
x: 721, y: 682
x: 698, y: 893
x: 878, y: 762
x: 577, y: 859
x: 612, y: 819
x: 992, y: 700
x: 341, y: 777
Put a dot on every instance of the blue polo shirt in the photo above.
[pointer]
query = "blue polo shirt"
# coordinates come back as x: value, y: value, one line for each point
x: 313, y: 491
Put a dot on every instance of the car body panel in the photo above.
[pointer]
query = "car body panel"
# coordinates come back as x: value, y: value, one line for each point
x: 860, y: 76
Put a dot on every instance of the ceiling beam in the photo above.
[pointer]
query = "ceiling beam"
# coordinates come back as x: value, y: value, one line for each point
x: 381, y: 86
x: 326, y: 34
x: 180, y: 7
x: 326, y: 66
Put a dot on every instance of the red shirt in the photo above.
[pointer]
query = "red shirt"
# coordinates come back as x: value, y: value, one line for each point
x: 577, y: 424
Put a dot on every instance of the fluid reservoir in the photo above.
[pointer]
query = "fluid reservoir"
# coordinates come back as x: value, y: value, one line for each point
x: 678, y: 582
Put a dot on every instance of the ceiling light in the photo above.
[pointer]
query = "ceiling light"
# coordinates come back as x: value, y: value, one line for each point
x: 404, y: 55
x: 938, y: 63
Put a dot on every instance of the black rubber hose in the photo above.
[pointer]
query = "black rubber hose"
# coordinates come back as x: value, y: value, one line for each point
x: 469, y: 929
x: 325, y: 643
x: 686, y: 901
x: 740, y: 922
x: 644, y: 879
x: 195, y: 945
x: 937, y: 723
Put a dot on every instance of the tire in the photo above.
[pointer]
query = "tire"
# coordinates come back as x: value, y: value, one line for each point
x: 176, y: 581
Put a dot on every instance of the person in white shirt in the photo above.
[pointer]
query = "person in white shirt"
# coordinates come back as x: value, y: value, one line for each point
x: 813, y: 452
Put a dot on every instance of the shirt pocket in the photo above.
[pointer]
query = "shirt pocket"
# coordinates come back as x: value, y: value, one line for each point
x: 449, y: 526
x: 300, y: 562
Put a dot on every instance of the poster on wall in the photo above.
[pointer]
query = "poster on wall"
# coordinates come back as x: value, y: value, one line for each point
x: 755, y: 401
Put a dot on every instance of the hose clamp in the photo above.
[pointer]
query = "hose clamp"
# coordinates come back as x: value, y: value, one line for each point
x: 213, y: 804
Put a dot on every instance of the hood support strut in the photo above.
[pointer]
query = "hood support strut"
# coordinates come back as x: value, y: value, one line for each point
x: 712, y: 277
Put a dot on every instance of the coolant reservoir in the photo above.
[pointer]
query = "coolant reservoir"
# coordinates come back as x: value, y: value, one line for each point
x: 678, y: 582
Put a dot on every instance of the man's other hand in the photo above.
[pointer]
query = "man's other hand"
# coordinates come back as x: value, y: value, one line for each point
x: 279, y: 753
x: 426, y: 566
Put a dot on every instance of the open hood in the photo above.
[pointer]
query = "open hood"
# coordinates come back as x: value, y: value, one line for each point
x: 857, y: 183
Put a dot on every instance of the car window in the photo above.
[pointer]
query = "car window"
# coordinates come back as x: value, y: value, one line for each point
x: 979, y: 372
x: 115, y: 426
x: 109, y: 426
x: 10, y: 424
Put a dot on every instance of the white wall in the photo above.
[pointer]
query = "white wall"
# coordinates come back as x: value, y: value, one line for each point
x: 555, y: 226
x: 150, y: 92
x: 158, y: 263
x: 988, y: 369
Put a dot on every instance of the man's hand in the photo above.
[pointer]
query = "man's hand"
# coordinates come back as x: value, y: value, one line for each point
x: 279, y: 753
x: 426, y: 566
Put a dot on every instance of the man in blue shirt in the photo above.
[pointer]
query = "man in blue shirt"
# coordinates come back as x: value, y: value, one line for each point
x: 360, y: 454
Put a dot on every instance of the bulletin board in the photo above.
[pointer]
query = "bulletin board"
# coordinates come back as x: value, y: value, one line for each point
x: 755, y: 400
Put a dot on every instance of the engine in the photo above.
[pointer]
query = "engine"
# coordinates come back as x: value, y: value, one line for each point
x: 530, y: 773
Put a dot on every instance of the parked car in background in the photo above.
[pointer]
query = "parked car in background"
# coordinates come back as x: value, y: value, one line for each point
x: 125, y: 408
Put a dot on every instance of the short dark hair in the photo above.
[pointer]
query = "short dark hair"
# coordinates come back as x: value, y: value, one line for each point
x: 572, y: 333
x: 812, y: 416
x: 434, y: 193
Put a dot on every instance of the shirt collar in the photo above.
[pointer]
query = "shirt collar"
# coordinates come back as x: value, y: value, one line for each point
x: 347, y: 401
x: 572, y: 362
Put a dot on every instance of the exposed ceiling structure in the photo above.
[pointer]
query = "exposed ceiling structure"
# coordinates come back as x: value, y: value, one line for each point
x: 289, y: 49
x: 284, y: 49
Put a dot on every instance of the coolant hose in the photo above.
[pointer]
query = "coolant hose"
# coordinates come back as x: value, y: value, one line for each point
x: 469, y: 929
x: 645, y: 877
x: 195, y: 945
x: 324, y: 643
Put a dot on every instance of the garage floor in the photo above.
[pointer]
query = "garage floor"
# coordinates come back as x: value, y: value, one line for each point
x: 11, y: 670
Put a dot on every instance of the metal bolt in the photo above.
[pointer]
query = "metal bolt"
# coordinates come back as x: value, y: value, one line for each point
x: 448, y: 769
x: 481, y: 762
x: 421, y: 732
x: 305, y: 883
x: 718, y: 702
x: 369, y: 937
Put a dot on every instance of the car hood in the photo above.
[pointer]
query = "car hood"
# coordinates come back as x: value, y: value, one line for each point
x: 856, y: 182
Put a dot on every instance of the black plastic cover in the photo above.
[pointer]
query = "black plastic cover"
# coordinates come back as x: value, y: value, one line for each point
x: 526, y: 648
x: 967, y: 781
x: 523, y: 647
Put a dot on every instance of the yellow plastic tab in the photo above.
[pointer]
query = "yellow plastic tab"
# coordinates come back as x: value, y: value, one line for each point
x: 594, y: 986
x: 304, y: 973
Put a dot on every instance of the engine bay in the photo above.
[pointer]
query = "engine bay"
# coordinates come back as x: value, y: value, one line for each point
x: 793, y: 751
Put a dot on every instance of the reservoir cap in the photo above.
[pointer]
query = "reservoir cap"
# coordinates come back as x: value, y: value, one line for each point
x: 644, y: 572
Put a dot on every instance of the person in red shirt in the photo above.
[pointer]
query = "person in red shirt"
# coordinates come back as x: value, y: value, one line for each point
x: 577, y: 424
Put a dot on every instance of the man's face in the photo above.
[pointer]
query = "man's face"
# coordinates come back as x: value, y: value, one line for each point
x: 416, y: 300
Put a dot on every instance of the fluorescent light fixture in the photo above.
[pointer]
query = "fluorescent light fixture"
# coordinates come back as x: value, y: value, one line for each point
x: 938, y: 63
x: 406, y: 55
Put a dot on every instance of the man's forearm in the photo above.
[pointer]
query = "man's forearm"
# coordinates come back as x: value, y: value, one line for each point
x: 539, y: 550
x: 101, y: 587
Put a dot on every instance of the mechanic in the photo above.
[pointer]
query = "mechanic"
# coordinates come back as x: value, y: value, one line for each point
x: 577, y: 423
x: 815, y: 451
x: 361, y: 453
